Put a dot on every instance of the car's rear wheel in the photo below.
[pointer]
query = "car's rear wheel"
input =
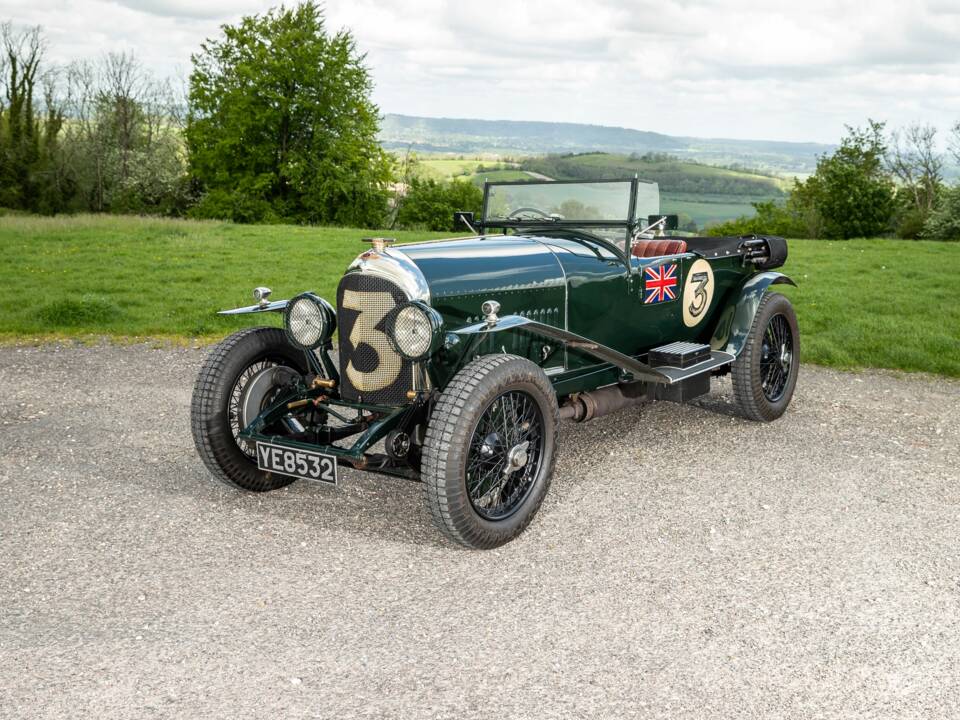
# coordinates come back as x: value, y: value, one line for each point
x: 489, y: 451
x: 241, y: 377
x: 765, y: 373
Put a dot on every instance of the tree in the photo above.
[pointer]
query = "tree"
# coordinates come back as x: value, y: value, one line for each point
x: 850, y: 192
x: 914, y: 160
x: 28, y: 139
x: 122, y: 151
x: 944, y: 222
x: 281, y: 123
x: 954, y: 143
x: 429, y: 205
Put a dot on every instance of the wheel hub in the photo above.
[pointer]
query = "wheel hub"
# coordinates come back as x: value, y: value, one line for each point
x: 785, y: 357
x: 259, y: 390
x: 517, y: 458
x: 506, y: 455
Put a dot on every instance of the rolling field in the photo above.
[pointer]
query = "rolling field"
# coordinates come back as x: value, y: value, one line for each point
x: 619, y: 166
x: 861, y: 303
x: 449, y: 168
x: 479, y: 179
x: 706, y: 210
x: 705, y: 194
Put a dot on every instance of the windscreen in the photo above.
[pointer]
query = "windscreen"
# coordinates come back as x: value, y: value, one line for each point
x: 567, y: 202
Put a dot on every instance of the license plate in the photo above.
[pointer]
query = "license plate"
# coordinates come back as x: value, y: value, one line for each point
x: 304, y: 464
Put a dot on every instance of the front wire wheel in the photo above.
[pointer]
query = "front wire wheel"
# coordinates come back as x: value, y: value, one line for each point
x: 489, y: 451
x: 235, y: 374
x: 765, y: 372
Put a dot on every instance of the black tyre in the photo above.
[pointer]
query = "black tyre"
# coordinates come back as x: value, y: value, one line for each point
x: 258, y: 360
x: 489, y: 451
x: 765, y: 373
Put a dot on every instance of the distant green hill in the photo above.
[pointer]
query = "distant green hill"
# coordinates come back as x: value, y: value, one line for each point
x: 672, y: 174
x: 511, y: 137
x: 703, y: 194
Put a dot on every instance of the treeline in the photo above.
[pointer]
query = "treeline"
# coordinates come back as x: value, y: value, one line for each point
x: 276, y: 125
x: 672, y: 174
x: 100, y: 137
x: 875, y: 184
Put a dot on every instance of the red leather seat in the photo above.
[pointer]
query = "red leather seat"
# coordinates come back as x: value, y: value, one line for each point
x: 658, y: 246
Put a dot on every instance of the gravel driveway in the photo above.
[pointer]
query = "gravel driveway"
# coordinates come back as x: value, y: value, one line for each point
x: 686, y: 564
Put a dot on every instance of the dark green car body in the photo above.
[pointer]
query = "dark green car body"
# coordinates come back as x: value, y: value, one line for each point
x: 560, y: 281
x: 571, y: 300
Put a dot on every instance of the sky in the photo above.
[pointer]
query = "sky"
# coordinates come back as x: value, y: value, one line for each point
x: 761, y: 69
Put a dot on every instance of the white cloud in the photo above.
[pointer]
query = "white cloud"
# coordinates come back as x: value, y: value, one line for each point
x: 720, y: 68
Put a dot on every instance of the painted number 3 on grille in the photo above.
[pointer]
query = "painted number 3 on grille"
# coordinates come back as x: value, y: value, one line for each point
x: 373, y: 307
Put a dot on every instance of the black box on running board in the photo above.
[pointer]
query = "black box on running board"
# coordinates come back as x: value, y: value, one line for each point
x: 679, y: 354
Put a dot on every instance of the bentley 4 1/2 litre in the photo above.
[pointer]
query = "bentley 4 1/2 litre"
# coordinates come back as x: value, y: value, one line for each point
x: 456, y: 359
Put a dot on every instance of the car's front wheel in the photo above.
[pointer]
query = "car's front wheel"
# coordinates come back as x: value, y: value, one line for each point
x: 239, y: 379
x: 489, y: 451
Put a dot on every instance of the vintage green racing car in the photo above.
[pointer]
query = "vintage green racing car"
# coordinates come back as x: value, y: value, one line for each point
x: 457, y: 359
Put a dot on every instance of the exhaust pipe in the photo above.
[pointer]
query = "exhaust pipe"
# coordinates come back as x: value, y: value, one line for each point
x: 589, y: 405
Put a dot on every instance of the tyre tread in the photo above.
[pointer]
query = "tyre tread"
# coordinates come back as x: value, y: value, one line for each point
x: 451, y: 511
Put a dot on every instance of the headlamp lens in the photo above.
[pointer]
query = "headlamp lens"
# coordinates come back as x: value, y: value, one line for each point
x: 413, y: 331
x: 306, y: 322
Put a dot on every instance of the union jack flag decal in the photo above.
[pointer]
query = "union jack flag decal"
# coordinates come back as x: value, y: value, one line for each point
x: 659, y: 284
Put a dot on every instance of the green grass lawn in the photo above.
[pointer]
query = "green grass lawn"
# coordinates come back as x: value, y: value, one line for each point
x: 878, y: 303
x: 130, y: 276
x: 862, y: 303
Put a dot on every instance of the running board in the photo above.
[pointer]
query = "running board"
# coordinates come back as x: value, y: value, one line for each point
x: 664, y: 375
x: 718, y: 358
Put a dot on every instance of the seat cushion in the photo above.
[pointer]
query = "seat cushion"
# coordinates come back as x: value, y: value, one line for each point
x: 658, y: 246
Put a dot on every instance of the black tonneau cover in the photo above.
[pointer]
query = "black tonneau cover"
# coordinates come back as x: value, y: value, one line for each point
x: 713, y: 247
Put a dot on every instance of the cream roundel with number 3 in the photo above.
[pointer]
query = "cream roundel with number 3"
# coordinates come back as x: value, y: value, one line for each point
x: 697, y: 293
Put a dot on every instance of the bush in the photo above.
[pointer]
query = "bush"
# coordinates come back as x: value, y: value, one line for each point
x: 429, y: 205
x: 240, y: 207
x: 944, y: 221
x: 772, y: 218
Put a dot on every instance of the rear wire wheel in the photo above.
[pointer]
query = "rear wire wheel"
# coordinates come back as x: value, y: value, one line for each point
x: 765, y: 372
x: 489, y: 451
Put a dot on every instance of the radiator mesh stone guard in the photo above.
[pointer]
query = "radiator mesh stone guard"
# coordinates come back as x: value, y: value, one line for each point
x: 370, y: 369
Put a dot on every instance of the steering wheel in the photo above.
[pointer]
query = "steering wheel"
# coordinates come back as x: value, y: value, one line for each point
x: 515, y: 214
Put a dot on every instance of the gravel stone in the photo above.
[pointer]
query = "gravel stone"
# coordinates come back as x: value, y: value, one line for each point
x: 686, y: 564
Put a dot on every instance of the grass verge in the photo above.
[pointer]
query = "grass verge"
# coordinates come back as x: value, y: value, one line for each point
x: 147, y: 277
x: 861, y: 303
x: 878, y: 303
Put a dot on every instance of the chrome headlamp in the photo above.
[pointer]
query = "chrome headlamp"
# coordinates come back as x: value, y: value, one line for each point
x: 414, y: 330
x: 309, y: 321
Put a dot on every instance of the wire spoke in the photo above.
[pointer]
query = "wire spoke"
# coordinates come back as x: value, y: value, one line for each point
x: 776, y: 361
x: 496, y: 487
